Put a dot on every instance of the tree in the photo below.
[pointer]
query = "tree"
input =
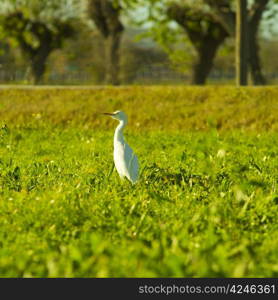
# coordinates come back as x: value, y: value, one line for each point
x: 196, y: 29
x: 255, y: 16
x: 106, y: 16
x: 38, y: 27
x: 204, y: 32
x: 208, y: 14
x: 223, y: 11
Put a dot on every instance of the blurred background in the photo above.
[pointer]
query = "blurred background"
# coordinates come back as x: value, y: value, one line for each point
x: 96, y: 42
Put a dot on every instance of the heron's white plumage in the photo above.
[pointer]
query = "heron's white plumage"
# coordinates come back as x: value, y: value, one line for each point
x: 126, y: 162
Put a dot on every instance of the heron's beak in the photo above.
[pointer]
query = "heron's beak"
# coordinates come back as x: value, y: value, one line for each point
x: 109, y: 114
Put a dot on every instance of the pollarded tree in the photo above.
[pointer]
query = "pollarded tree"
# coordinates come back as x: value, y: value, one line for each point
x: 205, y: 33
x: 106, y: 16
x: 197, y: 26
x: 39, y: 27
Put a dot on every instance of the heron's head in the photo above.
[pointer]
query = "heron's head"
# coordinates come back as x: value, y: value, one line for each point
x: 117, y: 115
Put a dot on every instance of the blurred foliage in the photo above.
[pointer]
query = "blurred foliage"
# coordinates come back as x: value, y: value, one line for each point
x: 167, y: 34
x: 156, y: 41
x: 38, y: 28
x: 134, y: 57
x: 177, y: 44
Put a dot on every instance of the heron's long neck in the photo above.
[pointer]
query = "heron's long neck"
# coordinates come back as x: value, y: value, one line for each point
x: 119, y: 136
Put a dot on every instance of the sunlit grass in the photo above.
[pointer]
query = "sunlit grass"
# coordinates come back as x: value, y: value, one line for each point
x: 205, y: 205
x: 149, y: 108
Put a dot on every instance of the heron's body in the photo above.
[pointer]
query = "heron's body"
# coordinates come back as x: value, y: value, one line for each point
x: 126, y: 162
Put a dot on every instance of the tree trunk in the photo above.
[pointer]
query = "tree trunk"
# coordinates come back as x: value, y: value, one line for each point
x: 204, y: 64
x: 254, y: 57
x: 38, y: 65
x: 241, y: 43
x: 112, y: 44
x: 37, y: 72
x: 255, y: 63
x: 202, y: 68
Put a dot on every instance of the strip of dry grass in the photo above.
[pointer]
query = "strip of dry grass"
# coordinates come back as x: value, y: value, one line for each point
x: 149, y: 107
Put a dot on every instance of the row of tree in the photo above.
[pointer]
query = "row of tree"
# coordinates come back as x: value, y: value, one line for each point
x: 210, y: 23
x: 38, y: 27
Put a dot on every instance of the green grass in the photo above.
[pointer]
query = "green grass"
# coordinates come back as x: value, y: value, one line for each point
x: 205, y: 205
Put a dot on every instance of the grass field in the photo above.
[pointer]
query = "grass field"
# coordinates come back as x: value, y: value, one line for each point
x: 205, y: 206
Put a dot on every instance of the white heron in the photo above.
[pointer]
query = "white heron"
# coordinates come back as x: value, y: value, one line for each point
x: 126, y: 162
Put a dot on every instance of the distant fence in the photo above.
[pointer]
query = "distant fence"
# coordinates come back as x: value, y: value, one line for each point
x: 11, y: 76
x: 146, y: 74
